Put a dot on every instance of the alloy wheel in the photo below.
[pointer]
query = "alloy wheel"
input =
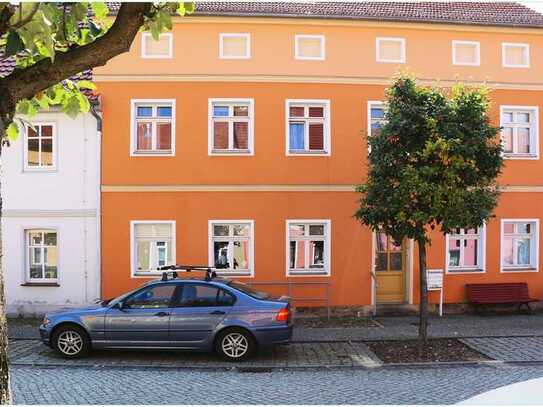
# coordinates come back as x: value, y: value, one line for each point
x: 70, y: 343
x: 235, y: 345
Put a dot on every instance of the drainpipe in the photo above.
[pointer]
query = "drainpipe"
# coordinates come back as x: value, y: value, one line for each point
x: 96, y: 111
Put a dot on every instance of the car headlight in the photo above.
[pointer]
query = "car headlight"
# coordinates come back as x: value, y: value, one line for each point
x: 45, y: 321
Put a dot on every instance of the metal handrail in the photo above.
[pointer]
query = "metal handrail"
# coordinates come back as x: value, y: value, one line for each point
x: 290, y: 285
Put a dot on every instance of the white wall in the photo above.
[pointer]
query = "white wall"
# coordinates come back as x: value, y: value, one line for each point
x: 67, y: 200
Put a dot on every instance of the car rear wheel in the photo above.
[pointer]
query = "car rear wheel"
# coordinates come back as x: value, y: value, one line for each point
x: 71, y: 342
x: 235, y: 344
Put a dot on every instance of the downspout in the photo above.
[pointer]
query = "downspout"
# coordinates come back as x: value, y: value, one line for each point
x: 96, y: 111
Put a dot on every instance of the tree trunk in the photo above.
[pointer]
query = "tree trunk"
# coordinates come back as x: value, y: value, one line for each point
x: 423, y: 306
x: 5, y: 394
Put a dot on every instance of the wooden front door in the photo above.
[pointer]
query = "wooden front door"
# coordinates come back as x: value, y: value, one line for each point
x: 390, y: 270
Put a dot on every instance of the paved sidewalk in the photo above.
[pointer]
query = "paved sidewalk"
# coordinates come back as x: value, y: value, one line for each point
x: 297, y: 355
x: 385, y: 328
x: 517, y: 349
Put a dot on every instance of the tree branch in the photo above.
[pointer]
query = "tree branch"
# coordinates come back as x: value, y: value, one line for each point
x: 22, y: 21
x: 26, y: 83
x: 6, y: 11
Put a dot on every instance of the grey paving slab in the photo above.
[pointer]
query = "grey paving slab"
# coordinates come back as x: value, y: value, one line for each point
x: 447, y: 326
x: 514, y: 349
x: 296, y: 355
x: 87, y: 385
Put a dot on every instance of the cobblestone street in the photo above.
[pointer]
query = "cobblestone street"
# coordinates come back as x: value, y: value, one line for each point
x: 346, y: 371
x: 447, y: 385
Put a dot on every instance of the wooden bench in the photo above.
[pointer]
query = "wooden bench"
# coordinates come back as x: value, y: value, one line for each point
x: 499, y: 293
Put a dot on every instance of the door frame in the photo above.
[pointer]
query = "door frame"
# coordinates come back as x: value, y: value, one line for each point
x: 408, y: 271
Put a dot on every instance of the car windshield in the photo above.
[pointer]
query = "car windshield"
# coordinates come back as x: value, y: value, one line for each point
x: 244, y: 288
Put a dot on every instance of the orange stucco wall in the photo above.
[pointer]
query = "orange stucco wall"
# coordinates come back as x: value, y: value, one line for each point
x: 350, y: 51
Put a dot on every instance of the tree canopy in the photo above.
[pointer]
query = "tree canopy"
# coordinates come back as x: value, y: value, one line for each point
x: 52, y: 41
x: 433, y: 165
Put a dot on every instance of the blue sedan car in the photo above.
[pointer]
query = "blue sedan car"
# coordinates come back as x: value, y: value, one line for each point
x: 204, y: 314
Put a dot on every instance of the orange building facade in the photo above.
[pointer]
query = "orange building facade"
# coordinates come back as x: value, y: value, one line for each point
x: 238, y: 141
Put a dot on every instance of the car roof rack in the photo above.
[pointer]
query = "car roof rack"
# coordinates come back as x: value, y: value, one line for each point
x: 210, y: 273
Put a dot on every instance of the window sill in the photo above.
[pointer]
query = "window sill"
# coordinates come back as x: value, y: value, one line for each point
x: 231, y: 152
x: 309, y: 153
x: 39, y: 169
x: 306, y: 273
x: 465, y: 271
x: 152, y: 153
x: 226, y: 273
x: 520, y: 157
x: 519, y: 270
x: 31, y: 284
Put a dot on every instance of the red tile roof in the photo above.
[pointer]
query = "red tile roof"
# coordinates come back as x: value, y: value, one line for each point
x: 473, y: 13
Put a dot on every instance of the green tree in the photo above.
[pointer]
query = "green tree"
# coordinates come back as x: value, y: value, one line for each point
x: 433, y: 165
x: 50, y: 43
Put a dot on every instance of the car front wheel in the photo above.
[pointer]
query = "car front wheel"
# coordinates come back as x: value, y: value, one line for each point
x: 235, y: 344
x: 71, y: 342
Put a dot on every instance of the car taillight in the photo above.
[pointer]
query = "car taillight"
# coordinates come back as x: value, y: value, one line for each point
x: 283, y: 315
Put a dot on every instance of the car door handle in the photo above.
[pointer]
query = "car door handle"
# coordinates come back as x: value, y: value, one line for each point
x: 217, y: 312
x: 162, y: 314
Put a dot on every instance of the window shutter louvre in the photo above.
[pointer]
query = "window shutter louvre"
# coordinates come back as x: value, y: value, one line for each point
x: 296, y: 111
x: 220, y: 135
x: 241, y: 135
x: 316, y: 136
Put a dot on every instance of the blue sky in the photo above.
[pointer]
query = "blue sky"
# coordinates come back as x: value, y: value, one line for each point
x: 535, y: 4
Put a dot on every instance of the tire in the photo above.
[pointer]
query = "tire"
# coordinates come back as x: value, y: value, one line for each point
x: 235, y: 344
x: 71, y: 342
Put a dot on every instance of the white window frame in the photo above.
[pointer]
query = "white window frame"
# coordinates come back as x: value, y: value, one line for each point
x: 378, y: 58
x: 134, y: 103
x: 505, y: 45
x: 211, y: 253
x: 327, y: 271
x: 534, y: 136
x: 48, y: 168
x: 370, y: 104
x: 133, y: 247
x: 299, y: 37
x: 327, y: 144
x: 247, y: 36
x: 26, y: 248
x: 481, y: 267
x: 534, y: 248
x: 250, y: 136
x: 144, y: 55
x: 477, y: 48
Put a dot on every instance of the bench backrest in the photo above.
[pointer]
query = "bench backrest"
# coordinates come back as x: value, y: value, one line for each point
x: 497, y: 291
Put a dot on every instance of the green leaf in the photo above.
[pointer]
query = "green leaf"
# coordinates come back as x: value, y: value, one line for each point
x: 14, y: 43
x: 23, y: 106
x: 12, y: 131
x: 72, y: 107
x: 79, y: 11
x: 181, y: 10
x: 83, y: 102
x: 99, y: 9
x: 84, y: 84
x: 189, y: 7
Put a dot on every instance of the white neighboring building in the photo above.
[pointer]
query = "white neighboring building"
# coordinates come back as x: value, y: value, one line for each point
x: 51, y: 224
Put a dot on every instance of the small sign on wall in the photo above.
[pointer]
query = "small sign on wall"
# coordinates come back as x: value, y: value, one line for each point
x: 434, y: 278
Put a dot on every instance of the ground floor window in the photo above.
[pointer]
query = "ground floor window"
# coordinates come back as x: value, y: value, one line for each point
x: 519, y: 244
x: 308, y: 247
x: 153, y: 245
x: 42, y: 255
x: 465, y: 250
x: 231, y: 246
